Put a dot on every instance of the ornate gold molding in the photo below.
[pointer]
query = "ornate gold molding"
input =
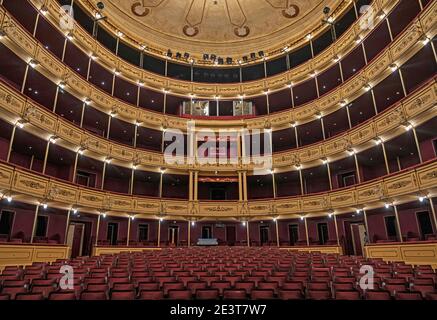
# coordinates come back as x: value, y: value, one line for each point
x: 416, y: 108
x: 30, y: 186
x: 399, y: 51
x: 341, y: 47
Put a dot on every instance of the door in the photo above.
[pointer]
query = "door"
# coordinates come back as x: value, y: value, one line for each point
x: 358, y: 238
x: 112, y: 233
x: 293, y: 233
x: 173, y: 236
x: 322, y: 232
x: 391, y: 228
x: 75, y: 237
x: 264, y: 234
x: 230, y: 235
x: 206, y: 232
x: 6, y: 219
x: 425, y: 225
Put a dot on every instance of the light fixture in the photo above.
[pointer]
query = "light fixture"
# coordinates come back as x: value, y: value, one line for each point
x: 113, y: 113
x: 393, y: 67
x: 87, y: 101
x: 44, y: 10
x: 134, y: 166
x: 319, y: 115
x: 120, y: 34
x: 141, y: 83
x: 21, y: 123
x: 104, y: 214
x: 367, y: 87
x: 117, y: 72
x: 387, y: 205
x: 377, y: 140
x: 331, y: 19
x: 33, y: 63
x: 44, y: 205
x: 357, y: 39
x: 93, y: 56
x: 358, y: 211
x: 302, y: 218
x: 293, y: 124
x: 9, y: 199
x: 98, y: 15
x: 425, y: 40
x: 75, y: 211
x: 330, y: 213
x: 309, y: 36
x: 243, y: 223
x: 298, y: 166
x: 290, y: 85
x: 143, y: 47
x: 161, y: 219
x: 193, y: 223
x: 70, y: 36
x: 408, y: 126
x: 162, y: 170
x: 81, y: 151
x: 2, y: 33
x: 422, y: 198
x: 108, y: 160
x: 53, y: 139
x: 343, y: 103
x: 351, y: 151
x: 266, y: 92
x: 324, y: 160
x: 132, y: 217
x: 336, y: 58
x: 137, y: 123
x: 62, y: 85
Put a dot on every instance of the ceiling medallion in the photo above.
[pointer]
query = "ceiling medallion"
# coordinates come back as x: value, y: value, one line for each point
x: 291, y: 12
x: 140, y: 9
x: 242, y: 31
x: 190, y: 31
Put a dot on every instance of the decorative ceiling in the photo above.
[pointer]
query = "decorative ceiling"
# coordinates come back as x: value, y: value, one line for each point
x: 223, y: 27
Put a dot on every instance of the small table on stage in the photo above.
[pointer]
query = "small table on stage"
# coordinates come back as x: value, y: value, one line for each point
x: 207, y: 242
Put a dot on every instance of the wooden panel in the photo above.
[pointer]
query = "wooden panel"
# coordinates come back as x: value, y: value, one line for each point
x: 415, y: 253
x: 97, y: 251
x: 14, y: 255
x: 322, y: 249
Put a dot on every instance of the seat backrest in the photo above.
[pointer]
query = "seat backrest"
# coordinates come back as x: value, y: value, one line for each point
x: 29, y: 296
x: 319, y: 294
x: 151, y: 295
x: 97, y: 295
x: 148, y: 286
x: 123, y: 295
x: 179, y: 295
x: 196, y: 285
x: 259, y: 294
x: 172, y: 286
x: 290, y: 294
x: 347, y: 295
x: 408, y: 296
x: 234, y: 294
x: 207, y: 294
x: 62, y: 296
x: 377, y: 295
x: 318, y: 286
x: 292, y: 285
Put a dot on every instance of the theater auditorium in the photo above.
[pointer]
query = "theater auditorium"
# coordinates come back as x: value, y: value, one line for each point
x: 218, y: 150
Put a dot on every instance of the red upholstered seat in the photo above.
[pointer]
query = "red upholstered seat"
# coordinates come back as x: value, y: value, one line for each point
x: 97, y: 295
x: 4, y: 297
x: 318, y: 294
x: 423, y: 289
x: 318, y: 286
x: 29, y: 296
x: 290, y: 294
x: 258, y: 294
x: 377, y: 295
x: 343, y: 286
x: 123, y: 295
x: 172, y: 286
x: 347, y: 295
x: 245, y: 285
x: 62, y: 296
x: 151, y: 295
x: 148, y: 286
x: 408, y: 296
x: 207, y: 294
x: 179, y: 295
x: 220, y: 285
x: 196, y: 285
x: 123, y: 287
x: 234, y: 294
x: 13, y: 291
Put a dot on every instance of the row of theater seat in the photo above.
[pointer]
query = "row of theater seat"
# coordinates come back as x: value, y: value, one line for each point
x: 219, y: 273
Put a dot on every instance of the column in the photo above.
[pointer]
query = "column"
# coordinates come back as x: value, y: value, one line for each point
x: 34, y: 223
x: 329, y: 174
x: 76, y: 159
x: 301, y: 182
x: 128, y: 230
x: 367, y: 226
x: 189, y: 234
x: 160, y: 183
x: 247, y: 233
x: 274, y: 184
x: 98, y: 229
x: 103, y: 175
x: 245, y: 185
x: 306, y: 231
x: 398, y: 224
x: 387, y: 168
x: 431, y: 203
x: 67, y: 225
x: 45, y: 157
x: 190, y: 187
x: 357, y: 168
x: 336, y: 229
x: 196, y: 183
x: 159, y: 232
x: 416, y: 140
x: 240, y: 186
x: 131, y: 182
x: 277, y: 232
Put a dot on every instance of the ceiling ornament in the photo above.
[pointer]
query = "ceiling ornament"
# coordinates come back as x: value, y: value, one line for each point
x: 234, y: 12
x: 142, y: 8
